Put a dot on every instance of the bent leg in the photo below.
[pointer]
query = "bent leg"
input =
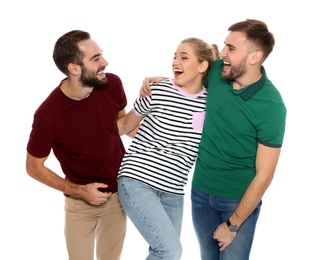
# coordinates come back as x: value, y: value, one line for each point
x: 174, y: 207
x: 142, y: 205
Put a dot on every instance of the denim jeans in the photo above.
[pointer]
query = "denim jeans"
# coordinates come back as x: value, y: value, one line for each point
x: 157, y: 216
x: 208, y: 212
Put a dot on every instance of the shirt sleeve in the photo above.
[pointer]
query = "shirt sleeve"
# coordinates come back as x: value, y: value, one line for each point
x: 40, y: 140
x: 142, y: 105
x: 271, y: 127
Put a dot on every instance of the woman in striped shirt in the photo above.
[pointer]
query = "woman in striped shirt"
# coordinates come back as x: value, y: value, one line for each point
x: 155, y: 168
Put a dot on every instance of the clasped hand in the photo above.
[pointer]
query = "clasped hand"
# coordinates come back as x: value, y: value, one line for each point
x: 92, y: 193
x: 223, y: 236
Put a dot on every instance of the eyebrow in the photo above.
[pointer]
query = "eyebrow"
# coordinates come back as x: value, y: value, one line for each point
x: 184, y: 53
x: 229, y: 45
x: 97, y: 55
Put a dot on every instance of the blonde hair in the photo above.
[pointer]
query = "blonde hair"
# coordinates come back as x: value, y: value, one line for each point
x: 203, y: 51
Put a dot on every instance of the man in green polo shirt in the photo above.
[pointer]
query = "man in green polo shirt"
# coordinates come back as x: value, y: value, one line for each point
x: 240, y: 146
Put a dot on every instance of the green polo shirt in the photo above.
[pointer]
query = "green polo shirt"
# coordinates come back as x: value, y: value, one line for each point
x: 236, y: 121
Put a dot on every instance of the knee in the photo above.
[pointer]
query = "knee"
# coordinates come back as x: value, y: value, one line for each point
x: 177, y: 252
x: 173, y: 252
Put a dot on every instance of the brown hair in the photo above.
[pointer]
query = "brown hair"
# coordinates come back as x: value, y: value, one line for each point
x: 204, y: 51
x: 257, y: 33
x: 66, y: 49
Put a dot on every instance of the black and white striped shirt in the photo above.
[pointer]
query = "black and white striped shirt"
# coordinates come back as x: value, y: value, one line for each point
x: 166, y: 145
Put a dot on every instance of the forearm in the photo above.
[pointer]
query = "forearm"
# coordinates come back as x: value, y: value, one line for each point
x: 133, y: 132
x: 266, y: 162
x: 250, y: 200
x: 36, y: 169
x: 129, y: 123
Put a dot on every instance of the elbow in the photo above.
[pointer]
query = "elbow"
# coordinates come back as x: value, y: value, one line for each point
x: 33, y: 166
x: 269, y: 180
x: 30, y: 169
x: 265, y: 182
x: 121, y: 128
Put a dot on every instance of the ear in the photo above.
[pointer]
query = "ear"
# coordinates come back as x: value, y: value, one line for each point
x: 203, y: 66
x: 256, y: 57
x: 74, y: 69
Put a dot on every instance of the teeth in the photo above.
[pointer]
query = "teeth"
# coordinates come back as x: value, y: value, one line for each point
x: 176, y: 70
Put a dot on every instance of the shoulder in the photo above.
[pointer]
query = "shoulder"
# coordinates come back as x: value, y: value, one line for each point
x: 218, y: 63
x: 214, y: 72
x: 271, y: 92
x: 114, y: 83
x: 113, y: 77
x: 162, y: 84
x: 51, y: 101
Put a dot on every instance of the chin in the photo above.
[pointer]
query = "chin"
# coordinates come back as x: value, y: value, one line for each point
x: 224, y: 74
x: 177, y: 81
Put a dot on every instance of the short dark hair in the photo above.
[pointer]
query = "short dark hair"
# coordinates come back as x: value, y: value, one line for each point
x: 66, y: 49
x: 257, y: 33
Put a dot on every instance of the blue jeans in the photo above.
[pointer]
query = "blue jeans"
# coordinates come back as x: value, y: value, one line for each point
x: 157, y: 216
x: 208, y: 212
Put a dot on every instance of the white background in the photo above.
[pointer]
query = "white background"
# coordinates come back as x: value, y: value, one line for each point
x: 138, y: 39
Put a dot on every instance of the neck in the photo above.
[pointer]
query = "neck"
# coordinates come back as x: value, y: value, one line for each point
x: 240, y: 83
x: 75, y: 90
x: 192, y: 87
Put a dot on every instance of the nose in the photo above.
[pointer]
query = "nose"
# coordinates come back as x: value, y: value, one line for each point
x: 103, y: 61
x: 222, y: 53
x: 174, y: 62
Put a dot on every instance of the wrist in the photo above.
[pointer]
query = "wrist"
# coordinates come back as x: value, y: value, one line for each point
x: 232, y: 226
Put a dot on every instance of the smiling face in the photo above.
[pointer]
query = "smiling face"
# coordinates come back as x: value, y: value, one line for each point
x: 92, y: 70
x: 187, y: 70
x: 235, y: 55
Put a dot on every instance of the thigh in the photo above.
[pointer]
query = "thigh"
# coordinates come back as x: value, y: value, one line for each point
x: 205, y: 220
x: 174, y: 207
x: 210, y: 211
x: 142, y: 205
x: 80, y: 227
x: 111, y: 229
x: 240, y: 247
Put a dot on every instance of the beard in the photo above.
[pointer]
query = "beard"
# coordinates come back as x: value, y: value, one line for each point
x: 236, y: 71
x: 90, y: 80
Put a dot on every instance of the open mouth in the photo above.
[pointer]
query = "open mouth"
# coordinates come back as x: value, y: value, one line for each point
x: 101, y: 73
x: 226, y: 64
x: 177, y: 72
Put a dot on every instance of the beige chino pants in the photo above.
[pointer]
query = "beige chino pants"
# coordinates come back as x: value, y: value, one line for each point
x: 87, y: 225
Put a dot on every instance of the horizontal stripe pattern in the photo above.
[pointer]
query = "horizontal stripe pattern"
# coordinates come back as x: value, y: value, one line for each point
x: 166, y: 145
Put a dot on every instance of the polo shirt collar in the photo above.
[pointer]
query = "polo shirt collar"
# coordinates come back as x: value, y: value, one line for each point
x: 252, y: 89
